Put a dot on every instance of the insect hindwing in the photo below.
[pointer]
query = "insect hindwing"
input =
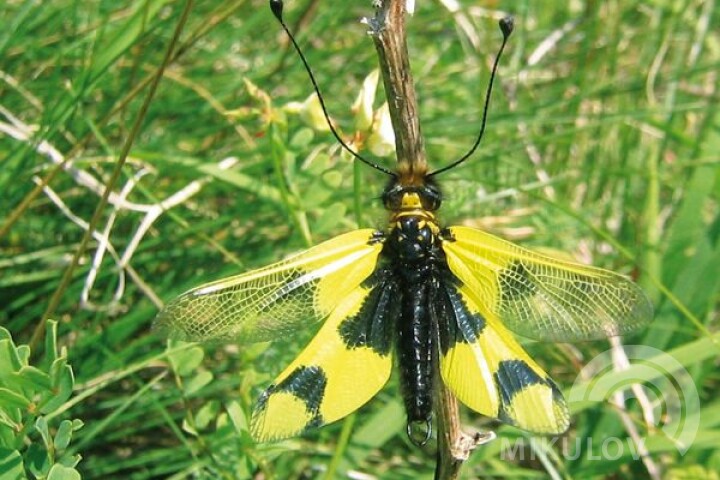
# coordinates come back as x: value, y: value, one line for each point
x: 344, y: 366
x: 487, y: 370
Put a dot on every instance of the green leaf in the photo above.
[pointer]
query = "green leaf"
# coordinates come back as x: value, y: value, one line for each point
x: 12, y: 417
x: 61, y: 472
x: 189, y: 427
x: 185, y: 361
x: 11, y: 464
x: 301, y: 139
x: 37, y: 460
x: 318, y: 193
x: 237, y: 416
x: 33, y: 378
x: 206, y: 414
x: 9, y: 359
x: 63, y: 435
x: 23, y: 353
x: 7, y: 432
x: 70, y: 461
x: 331, y: 217
x: 10, y: 399
x: 62, y: 385
x: 196, y: 382
x: 41, y: 426
x: 333, y: 179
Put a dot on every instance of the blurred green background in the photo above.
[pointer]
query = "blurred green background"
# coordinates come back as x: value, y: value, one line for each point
x: 603, y: 143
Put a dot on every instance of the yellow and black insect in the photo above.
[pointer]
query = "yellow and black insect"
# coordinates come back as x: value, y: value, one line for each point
x: 419, y: 293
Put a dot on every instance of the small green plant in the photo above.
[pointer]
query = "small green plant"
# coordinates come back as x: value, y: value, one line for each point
x: 33, y: 442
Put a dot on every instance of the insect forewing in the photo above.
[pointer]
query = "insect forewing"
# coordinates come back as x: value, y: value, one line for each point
x: 541, y: 297
x: 264, y: 304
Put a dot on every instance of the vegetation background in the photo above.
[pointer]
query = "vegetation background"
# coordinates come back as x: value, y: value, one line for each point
x: 603, y: 143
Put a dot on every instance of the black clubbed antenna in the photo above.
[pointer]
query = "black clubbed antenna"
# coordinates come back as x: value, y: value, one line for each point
x: 277, y: 7
x: 506, y: 26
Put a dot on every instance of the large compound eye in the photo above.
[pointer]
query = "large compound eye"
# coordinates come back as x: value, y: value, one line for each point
x: 431, y: 198
x: 392, y: 198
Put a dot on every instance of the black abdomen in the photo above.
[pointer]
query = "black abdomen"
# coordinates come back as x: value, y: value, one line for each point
x: 414, y: 253
x: 414, y: 351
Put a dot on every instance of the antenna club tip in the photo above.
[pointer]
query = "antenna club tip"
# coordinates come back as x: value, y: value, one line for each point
x: 277, y: 8
x: 506, y: 25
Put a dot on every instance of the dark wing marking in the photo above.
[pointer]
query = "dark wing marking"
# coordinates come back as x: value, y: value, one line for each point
x: 344, y: 366
x: 487, y: 370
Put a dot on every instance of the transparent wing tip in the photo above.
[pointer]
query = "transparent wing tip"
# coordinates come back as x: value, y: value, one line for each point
x: 163, y: 326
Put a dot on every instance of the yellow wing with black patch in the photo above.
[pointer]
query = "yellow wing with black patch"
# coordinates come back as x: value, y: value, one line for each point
x: 344, y: 366
x: 264, y: 304
x: 541, y: 297
x: 487, y: 370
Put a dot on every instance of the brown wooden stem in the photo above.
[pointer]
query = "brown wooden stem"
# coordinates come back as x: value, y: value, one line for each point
x: 387, y: 28
x: 454, y: 445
